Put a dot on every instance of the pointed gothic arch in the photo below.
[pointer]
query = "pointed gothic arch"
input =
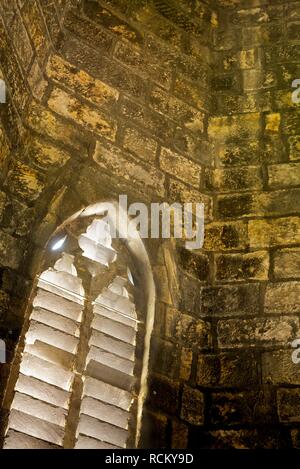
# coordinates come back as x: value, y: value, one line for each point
x: 79, y: 379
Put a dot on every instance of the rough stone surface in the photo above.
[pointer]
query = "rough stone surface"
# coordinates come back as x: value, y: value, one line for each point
x: 278, y: 368
x: 192, y: 406
x: 282, y: 298
x: 238, y: 333
x: 187, y: 102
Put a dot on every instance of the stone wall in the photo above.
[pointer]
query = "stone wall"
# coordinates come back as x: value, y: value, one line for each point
x: 186, y: 101
x: 249, y: 381
x: 28, y: 33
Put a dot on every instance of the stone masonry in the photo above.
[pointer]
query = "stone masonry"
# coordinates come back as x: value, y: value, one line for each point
x: 186, y: 101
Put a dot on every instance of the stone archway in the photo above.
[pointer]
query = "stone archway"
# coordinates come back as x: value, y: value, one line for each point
x: 85, y: 341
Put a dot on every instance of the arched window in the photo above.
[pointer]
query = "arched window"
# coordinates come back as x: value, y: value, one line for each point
x: 80, y: 372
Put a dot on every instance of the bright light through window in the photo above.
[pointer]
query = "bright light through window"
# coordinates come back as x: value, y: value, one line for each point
x: 59, y: 243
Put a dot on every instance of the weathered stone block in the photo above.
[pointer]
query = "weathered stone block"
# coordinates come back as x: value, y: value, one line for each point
x: 272, y: 124
x: 281, y: 202
x: 17, y: 217
x: 275, y: 12
x: 208, y: 370
x: 159, y: 319
x: 139, y: 144
x: 192, y: 407
x: 226, y: 82
x: 284, y: 175
x: 109, y: 71
x: 283, y: 298
x: 192, y: 93
x: 229, y: 300
x: 237, y: 154
x: 294, y: 147
x: 193, y: 333
x: 243, y: 439
x: 186, y: 359
x: 179, y: 166
x: 89, y: 118
x: 225, y: 40
x: 227, y: 61
x: 52, y: 19
x: 177, y: 110
x: 278, y: 367
x: 289, y: 405
x: 164, y: 357
x: 11, y: 251
x: 36, y: 29
x: 273, y: 150
x: 287, y: 263
x: 193, y: 69
x: 263, y: 332
x: 227, y: 128
x: 163, y: 291
x: 263, y: 34
x: 239, y: 370
x: 163, y: 394
x: 295, y: 437
x: 8, y: 10
x: 225, y: 236
x: 159, y: 52
x: 189, y: 293
x: 274, y: 232
x: 4, y: 148
x: 199, y: 50
x: 80, y: 82
x: 293, y: 13
x: 237, y: 179
x: 227, y: 369
x: 179, y: 435
x: 134, y: 58
x: 107, y: 20
x: 254, y: 266
x: 46, y: 123
x: 250, y: 16
x: 2, y: 203
x: 25, y: 182
x: 194, y: 147
x: 120, y: 77
x: 86, y: 30
x: 179, y: 192
x: 130, y: 169
x: 293, y: 31
x: 158, y: 125
x: 284, y: 73
x: 21, y: 41
x: 36, y: 80
x: 290, y: 122
x: 250, y: 103
x: 47, y: 156
x: 249, y: 58
x: 283, y: 100
x: 240, y: 408
x: 194, y: 264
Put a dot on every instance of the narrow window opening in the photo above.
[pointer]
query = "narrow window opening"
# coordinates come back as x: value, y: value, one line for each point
x: 79, y: 376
